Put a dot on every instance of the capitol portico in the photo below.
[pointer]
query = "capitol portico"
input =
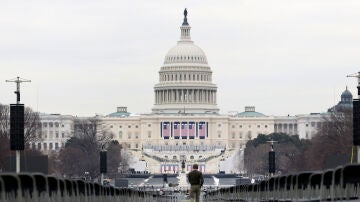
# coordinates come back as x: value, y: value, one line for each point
x: 185, y: 123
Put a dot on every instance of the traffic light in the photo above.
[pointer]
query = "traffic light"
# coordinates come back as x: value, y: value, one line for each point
x: 16, y: 126
x: 271, y: 162
x: 103, y: 162
x: 356, y: 122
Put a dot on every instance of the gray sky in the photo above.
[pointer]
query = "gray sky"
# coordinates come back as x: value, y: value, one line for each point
x: 87, y: 57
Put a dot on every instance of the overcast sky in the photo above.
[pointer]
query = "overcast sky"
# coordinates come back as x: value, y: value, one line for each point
x: 88, y: 57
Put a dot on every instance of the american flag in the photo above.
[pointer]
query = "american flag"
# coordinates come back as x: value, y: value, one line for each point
x: 176, y: 129
x: 166, y: 129
x: 202, y: 129
x: 184, y: 129
x: 191, y: 129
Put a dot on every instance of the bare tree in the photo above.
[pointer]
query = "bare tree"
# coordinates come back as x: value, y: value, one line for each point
x: 4, y: 120
x: 81, y: 152
x: 32, y: 127
x: 287, y: 149
x: 332, y: 145
x: 32, y: 124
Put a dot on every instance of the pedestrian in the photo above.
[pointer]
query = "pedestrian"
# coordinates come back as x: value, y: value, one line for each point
x: 196, y: 181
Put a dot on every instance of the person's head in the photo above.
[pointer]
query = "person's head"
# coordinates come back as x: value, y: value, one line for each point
x: 195, y: 166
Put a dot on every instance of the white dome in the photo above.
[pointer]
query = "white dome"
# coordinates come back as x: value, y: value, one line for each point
x: 185, y: 52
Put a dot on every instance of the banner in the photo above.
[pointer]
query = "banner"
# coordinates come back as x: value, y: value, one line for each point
x: 202, y: 130
x: 184, y: 130
x: 202, y: 168
x: 166, y: 130
x: 176, y: 130
x: 192, y: 129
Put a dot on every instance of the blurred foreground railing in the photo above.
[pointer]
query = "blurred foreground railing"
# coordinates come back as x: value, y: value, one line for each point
x: 38, y: 187
x: 342, y: 183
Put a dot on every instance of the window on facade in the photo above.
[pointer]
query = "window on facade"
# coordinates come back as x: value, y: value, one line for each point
x: 136, y: 126
x: 56, y: 125
x: 62, y: 125
x: 51, y: 124
x: 240, y: 126
x: 319, y: 124
x: 120, y: 126
x: 166, y: 157
x: 136, y: 146
x: 44, y: 124
x: 129, y: 135
x: 149, y: 134
x: 57, y: 134
x: 265, y: 126
x: 120, y: 134
x: 51, y: 133
x: 56, y: 146
x: 33, y: 145
x: 307, y: 125
x: 45, y: 146
x: 191, y: 157
x: 232, y: 126
x: 249, y: 135
x: 111, y: 126
x: 233, y: 135
x: 63, y: 135
x: 149, y: 125
x: 258, y: 126
x: 312, y: 124
x: 241, y: 135
x: 136, y: 136
x: 174, y: 157
x: 129, y: 126
x: 219, y: 125
x: 39, y: 146
x: 50, y: 146
x: 219, y: 134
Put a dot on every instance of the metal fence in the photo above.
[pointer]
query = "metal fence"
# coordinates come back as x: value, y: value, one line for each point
x: 38, y: 187
x: 342, y: 183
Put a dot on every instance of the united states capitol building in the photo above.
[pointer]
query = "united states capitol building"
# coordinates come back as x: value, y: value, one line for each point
x: 185, y: 123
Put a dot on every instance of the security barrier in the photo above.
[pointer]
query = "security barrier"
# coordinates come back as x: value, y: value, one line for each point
x: 38, y: 187
x: 342, y: 183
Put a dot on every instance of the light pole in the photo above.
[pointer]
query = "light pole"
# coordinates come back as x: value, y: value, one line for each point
x: 272, y: 158
x: 17, y: 122
x: 356, y: 117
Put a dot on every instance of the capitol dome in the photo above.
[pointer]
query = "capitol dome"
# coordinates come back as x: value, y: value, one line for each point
x: 185, y: 79
x: 185, y: 52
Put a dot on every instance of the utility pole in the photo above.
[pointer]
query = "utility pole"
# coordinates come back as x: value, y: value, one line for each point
x: 356, y: 117
x: 17, y: 122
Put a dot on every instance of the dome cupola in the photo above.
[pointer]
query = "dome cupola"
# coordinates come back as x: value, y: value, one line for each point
x: 346, y: 96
